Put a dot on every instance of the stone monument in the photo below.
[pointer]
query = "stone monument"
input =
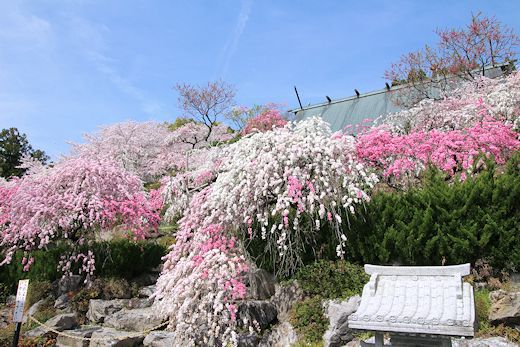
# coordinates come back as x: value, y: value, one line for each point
x: 416, y: 305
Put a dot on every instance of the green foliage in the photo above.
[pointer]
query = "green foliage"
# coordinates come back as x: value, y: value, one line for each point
x: 152, y: 185
x: 443, y: 222
x: 120, y: 258
x: 13, y: 146
x: 309, y: 320
x: 45, y: 312
x: 179, y: 122
x: 482, y: 305
x: 332, y: 279
x: 5, y: 291
x: 510, y: 333
x: 166, y: 241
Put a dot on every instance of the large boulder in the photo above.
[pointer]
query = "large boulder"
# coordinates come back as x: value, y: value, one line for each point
x: 135, y: 319
x: 505, y: 307
x: 285, y: 297
x: 80, y: 334
x: 160, y: 339
x: 98, y: 309
x: 255, y: 313
x: 338, y: 333
x: 108, y: 337
x: 261, y: 284
x: 60, y: 322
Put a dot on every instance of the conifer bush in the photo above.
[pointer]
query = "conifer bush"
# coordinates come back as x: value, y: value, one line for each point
x: 443, y: 222
x: 332, y: 279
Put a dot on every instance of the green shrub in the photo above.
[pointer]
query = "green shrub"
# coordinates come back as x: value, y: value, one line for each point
x: 119, y: 258
x: 5, y: 291
x: 441, y: 222
x: 332, y: 279
x: 309, y: 320
x: 482, y: 305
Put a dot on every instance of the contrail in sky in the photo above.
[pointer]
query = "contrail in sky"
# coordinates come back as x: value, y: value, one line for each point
x: 232, y: 44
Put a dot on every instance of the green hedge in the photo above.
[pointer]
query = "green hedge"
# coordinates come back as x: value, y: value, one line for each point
x: 454, y: 222
x: 118, y: 258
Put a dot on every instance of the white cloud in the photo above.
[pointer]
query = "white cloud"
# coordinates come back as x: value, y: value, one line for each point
x: 90, y: 37
x: 22, y: 28
x: 234, y: 39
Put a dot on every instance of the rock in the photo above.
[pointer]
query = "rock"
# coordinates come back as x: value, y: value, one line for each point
x: 483, y: 342
x: 281, y: 335
x: 285, y: 297
x: 5, y: 316
x: 11, y: 300
x: 33, y: 309
x: 64, y: 341
x: 338, y: 312
x: 258, y: 314
x: 147, y: 291
x: 135, y: 319
x: 262, y: 284
x: 114, y: 338
x: 99, y: 309
x: 61, y: 302
x: 160, y: 339
x: 505, y: 307
x: 69, y: 284
x: 60, y: 322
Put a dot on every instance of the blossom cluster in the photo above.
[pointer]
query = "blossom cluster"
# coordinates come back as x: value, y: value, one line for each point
x: 202, y: 277
x: 142, y: 148
x: 289, y: 181
x: 461, y: 108
x: 71, y: 201
x: 451, y: 151
x: 200, y: 171
x: 266, y: 120
x: 149, y: 149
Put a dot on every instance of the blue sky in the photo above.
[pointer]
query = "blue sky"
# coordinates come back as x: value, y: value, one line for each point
x: 67, y: 67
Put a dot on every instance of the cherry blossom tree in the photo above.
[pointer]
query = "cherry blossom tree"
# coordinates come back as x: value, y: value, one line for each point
x: 208, y: 105
x: 280, y: 186
x: 72, y: 201
x: 147, y: 149
x: 461, y: 54
x: 264, y: 121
